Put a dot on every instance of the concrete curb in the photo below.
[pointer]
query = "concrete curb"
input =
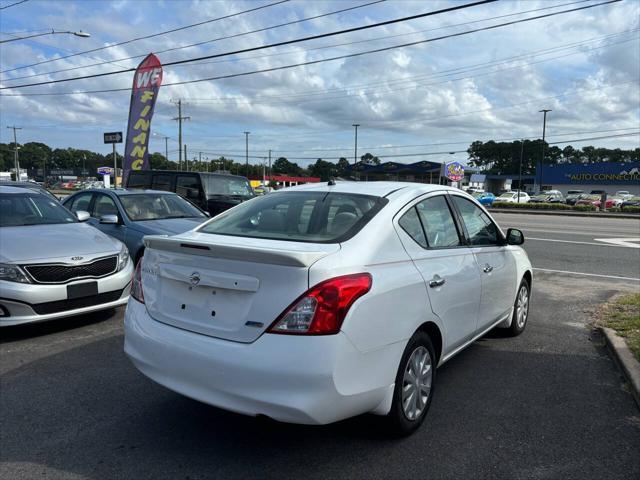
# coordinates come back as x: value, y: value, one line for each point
x: 625, y: 360
x: 564, y: 213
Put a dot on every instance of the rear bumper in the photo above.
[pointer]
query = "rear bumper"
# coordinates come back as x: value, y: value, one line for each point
x: 309, y: 380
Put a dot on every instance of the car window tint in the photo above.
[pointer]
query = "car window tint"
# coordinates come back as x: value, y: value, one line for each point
x: 188, y: 186
x: 161, y: 182
x: 324, y: 217
x: 104, y: 205
x: 438, y: 222
x: 81, y: 202
x: 481, y: 230
x: 139, y: 180
x: 410, y: 223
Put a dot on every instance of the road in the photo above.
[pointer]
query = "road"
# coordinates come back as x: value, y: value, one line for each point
x: 548, y: 404
x: 597, y: 246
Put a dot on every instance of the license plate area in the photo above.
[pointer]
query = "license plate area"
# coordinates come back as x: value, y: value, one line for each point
x: 80, y: 290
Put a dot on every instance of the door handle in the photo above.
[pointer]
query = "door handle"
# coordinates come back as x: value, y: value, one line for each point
x: 436, y: 281
x: 487, y: 268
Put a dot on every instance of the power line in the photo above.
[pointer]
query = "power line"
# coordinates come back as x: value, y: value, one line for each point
x: 304, y: 63
x: 292, y: 52
x: 148, y: 36
x: 299, y: 97
x: 13, y: 4
x: 272, y: 45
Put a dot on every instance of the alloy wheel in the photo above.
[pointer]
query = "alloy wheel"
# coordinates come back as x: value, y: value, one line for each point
x: 522, y: 306
x: 416, y: 383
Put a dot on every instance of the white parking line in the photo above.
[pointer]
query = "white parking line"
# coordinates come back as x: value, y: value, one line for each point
x: 588, y: 274
x: 582, y: 243
x: 622, y: 242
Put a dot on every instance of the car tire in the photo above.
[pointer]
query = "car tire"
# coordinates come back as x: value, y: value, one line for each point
x: 520, y: 309
x: 407, y: 413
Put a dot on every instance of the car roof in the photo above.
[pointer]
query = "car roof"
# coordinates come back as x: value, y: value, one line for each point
x: 12, y: 189
x: 378, y: 189
x: 125, y: 191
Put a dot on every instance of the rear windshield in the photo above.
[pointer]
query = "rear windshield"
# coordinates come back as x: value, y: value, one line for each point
x: 318, y: 217
x: 222, y: 185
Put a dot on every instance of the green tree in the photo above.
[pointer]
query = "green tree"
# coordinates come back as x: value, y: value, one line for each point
x: 369, y: 159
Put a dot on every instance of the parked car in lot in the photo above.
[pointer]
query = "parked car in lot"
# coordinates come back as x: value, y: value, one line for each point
x: 485, y: 198
x: 129, y: 215
x: 212, y: 192
x: 30, y: 186
x: 320, y: 302
x: 595, y: 201
x: 549, y: 196
x: 52, y: 265
x: 573, y: 196
x: 512, y: 197
x: 631, y: 202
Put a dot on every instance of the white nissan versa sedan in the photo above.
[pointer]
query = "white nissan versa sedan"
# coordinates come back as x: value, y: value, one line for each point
x: 325, y: 301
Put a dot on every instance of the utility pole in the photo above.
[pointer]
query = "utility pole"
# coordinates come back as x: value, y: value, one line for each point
x: 115, y: 166
x: 186, y: 162
x: 180, y: 118
x: 199, y: 160
x: 269, y: 166
x: 544, y: 130
x: 166, y: 148
x: 15, y: 152
x: 246, y: 152
x: 355, y: 148
x: 520, y: 176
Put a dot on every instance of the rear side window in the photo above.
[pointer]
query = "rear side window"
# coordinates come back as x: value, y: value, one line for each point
x: 410, y: 223
x: 318, y: 217
x: 162, y: 182
x: 188, y: 186
x: 139, y: 180
x: 438, y: 223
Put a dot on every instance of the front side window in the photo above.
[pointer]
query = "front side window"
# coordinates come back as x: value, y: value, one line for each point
x: 319, y: 217
x: 480, y: 228
x: 81, y: 202
x: 31, y: 209
x: 104, y: 205
x: 438, y: 223
x: 188, y: 187
x: 151, y: 206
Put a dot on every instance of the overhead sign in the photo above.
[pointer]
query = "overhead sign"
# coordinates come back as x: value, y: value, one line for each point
x: 454, y: 171
x: 113, y: 137
x: 144, y: 92
x: 105, y: 171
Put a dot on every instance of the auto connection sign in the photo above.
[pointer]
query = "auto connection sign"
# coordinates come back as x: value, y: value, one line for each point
x: 146, y: 84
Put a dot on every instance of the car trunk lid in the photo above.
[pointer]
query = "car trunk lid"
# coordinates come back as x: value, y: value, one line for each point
x: 222, y: 286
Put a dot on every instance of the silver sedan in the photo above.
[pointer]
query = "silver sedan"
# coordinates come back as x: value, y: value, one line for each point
x: 52, y: 265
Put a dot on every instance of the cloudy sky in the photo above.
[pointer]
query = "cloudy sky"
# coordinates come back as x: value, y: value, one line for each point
x: 413, y: 103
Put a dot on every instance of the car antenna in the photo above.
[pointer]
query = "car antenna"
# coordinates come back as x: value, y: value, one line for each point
x: 331, y: 182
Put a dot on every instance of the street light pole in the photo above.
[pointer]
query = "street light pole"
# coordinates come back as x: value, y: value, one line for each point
x: 355, y: 148
x: 544, y: 130
x: 246, y: 152
x: 520, y: 176
x: 79, y: 33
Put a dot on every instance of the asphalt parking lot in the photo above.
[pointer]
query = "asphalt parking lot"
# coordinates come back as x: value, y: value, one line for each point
x: 548, y: 404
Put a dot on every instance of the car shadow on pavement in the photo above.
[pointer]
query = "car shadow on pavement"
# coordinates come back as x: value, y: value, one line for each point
x: 32, y: 330
x: 497, y: 412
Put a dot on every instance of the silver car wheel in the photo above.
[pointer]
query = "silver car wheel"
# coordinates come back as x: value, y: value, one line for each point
x: 522, y: 306
x: 416, y: 383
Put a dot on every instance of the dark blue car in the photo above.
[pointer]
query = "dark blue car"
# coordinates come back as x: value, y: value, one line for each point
x: 129, y: 215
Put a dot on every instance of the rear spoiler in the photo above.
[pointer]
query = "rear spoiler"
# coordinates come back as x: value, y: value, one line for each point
x: 246, y: 253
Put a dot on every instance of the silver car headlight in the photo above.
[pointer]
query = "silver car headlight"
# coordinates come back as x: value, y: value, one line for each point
x: 123, y: 258
x: 12, y: 273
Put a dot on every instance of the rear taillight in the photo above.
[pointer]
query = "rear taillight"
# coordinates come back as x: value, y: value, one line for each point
x: 136, y: 283
x: 322, y: 309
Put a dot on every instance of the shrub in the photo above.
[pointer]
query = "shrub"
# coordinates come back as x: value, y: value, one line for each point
x: 631, y: 209
x: 585, y: 208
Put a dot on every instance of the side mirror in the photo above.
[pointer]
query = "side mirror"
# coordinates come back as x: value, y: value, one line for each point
x: 82, y: 216
x: 515, y: 237
x: 109, y: 219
